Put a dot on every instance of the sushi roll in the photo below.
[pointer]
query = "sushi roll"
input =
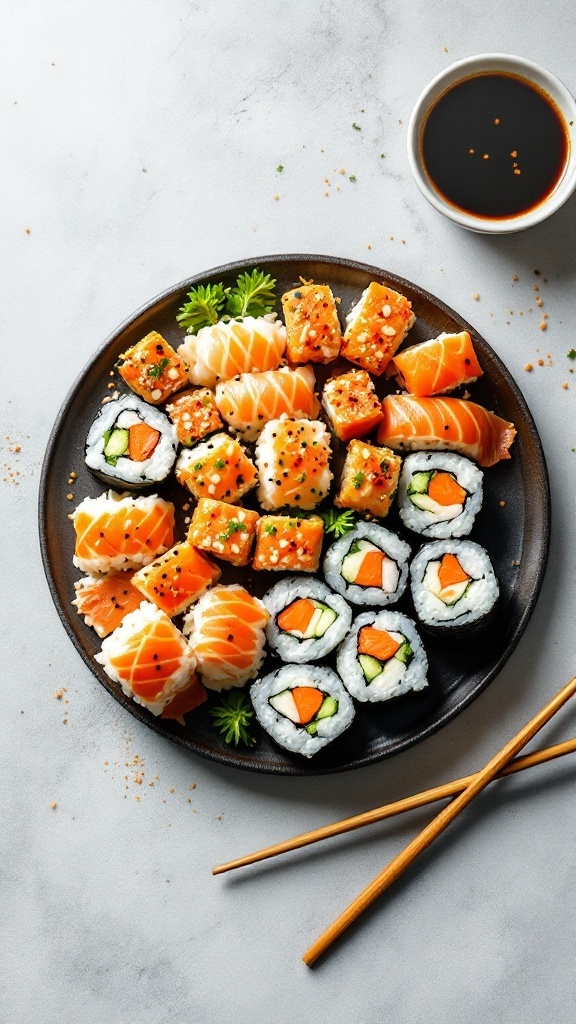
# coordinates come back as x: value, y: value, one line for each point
x: 303, y: 708
x: 114, y: 531
x: 293, y: 460
x: 227, y: 627
x: 313, y: 333
x: 454, y: 588
x: 439, y: 494
x: 376, y: 327
x: 252, y: 399
x: 439, y: 365
x: 176, y: 579
x: 218, y: 468
x: 149, y: 657
x: 222, y: 350
x: 368, y: 566
x: 131, y: 444
x: 369, y: 479
x: 306, y: 619
x: 153, y: 369
x: 288, y: 543
x: 105, y: 600
x: 382, y: 657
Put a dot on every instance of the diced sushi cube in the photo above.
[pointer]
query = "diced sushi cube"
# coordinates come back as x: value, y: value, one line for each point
x: 153, y: 369
x: 224, y: 530
x: 218, y: 468
x: 369, y: 478
x: 283, y: 542
x: 293, y: 459
x: 376, y: 327
x: 352, y: 404
x: 313, y: 332
x: 176, y: 579
x: 195, y: 414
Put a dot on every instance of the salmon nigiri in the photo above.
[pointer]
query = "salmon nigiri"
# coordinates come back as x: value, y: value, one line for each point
x: 115, y: 532
x: 252, y: 399
x: 439, y: 365
x: 223, y: 350
x: 227, y: 627
x: 105, y: 600
x: 447, y: 424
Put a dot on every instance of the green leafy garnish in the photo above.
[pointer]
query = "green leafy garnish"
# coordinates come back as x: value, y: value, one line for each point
x: 272, y: 530
x: 198, y: 466
x: 280, y: 167
x: 358, y: 479
x: 233, y: 527
x: 204, y: 306
x: 156, y: 369
x: 219, y: 464
x: 352, y: 177
x: 337, y: 522
x: 572, y: 353
x: 356, y: 127
x: 253, y: 295
x: 233, y: 718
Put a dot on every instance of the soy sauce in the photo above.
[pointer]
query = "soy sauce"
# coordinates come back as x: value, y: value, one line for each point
x: 494, y: 145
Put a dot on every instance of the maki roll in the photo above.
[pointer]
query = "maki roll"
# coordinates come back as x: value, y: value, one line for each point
x: 454, y: 588
x: 302, y: 708
x: 306, y: 619
x: 382, y: 657
x: 131, y: 443
x: 439, y: 494
x: 368, y: 565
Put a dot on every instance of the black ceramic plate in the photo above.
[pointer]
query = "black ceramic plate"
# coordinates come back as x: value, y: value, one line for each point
x: 515, y: 534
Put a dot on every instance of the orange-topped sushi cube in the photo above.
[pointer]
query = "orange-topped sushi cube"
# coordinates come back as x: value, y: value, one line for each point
x: 313, y: 332
x: 376, y: 327
x: 218, y: 468
x: 352, y: 404
x: 153, y: 369
x: 285, y: 542
x: 293, y: 459
x: 195, y: 414
x: 225, y: 530
x: 176, y: 579
x: 369, y: 478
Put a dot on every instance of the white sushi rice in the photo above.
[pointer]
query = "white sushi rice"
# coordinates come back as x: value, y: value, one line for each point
x: 109, y: 503
x: 441, y: 521
x: 206, y: 353
x: 290, y: 648
x: 392, y: 546
x: 125, y: 413
x: 477, y: 601
x: 272, y: 497
x: 397, y: 678
x: 293, y: 737
x: 118, y: 643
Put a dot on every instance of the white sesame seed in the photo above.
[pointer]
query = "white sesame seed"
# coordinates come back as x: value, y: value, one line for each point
x: 218, y: 546
x: 211, y: 489
x: 313, y: 334
x: 241, y: 515
x: 386, y: 311
x: 282, y: 544
x: 273, y: 559
x: 173, y: 373
x: 156, y: 394
x: 388, y: 331
x: 234, y: 549
x: 365, y: 453
x: 215, y: 478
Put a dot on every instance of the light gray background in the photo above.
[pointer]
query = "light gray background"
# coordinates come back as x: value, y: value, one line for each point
x: 140, y: 141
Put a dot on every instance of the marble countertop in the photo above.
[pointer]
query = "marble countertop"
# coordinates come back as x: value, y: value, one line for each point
x: 141, y: 145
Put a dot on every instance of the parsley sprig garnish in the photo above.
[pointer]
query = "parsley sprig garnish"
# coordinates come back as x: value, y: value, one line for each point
x: 252, y: 295
x: 233, y: 718
x: 157, y: 369
x: 337, y: 522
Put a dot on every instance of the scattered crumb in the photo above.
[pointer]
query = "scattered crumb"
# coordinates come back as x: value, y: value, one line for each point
x: 172, y: 790
x: 502, y: 504
x: 218, y: 817
x: 192, y: 786
x: 53, y: 805
x: 27, y: 231
x: 59, y: 694
x: 536, y: 287
x: 342, y: 170
x: 540, y: 362
x: 514, y: 277
x: 543, y: 325
x: 70, y: 497
x: 528, y: 367
x: 352, y: 178
x: 476, y: 296
x: 565, y: 385
x: 445, y: 49
x: 111, y: 385
x: 368, y: 246
x: 537, y: 272
x: 326, y: 194
x: 486, y: 156
x: 276, y: 196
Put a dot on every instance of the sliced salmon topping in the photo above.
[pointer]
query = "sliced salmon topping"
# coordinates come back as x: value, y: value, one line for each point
x: 377, y: 643
x: 142, y: 441
x: 296, y: 617
x: 185, y: 700
x: 445, y: 490
x: 370, y: 571
x: 451, y: 572
x: 308, y: 701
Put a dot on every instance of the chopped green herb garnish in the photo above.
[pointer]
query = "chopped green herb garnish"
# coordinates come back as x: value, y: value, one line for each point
x: 384, y: 465
x: 358, y: 479
x: 204, y: 306
x: 300, y: 479
x: 272, y: 530
x: 205, y: 402
x: 232, y: 528
x: 198, y: 465
x: 280, y: 167
x: 156, y: 369
x: 352, y: 177
x: 337, y: 522
x: 572, y: 353
x: 219, y: 464
x: 356, y: 127
x: 253, y: 295
x: 233, y: 718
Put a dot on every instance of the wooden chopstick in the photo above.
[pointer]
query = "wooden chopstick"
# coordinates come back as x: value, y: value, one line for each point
x: 428, y: 796
x: 438, y: 824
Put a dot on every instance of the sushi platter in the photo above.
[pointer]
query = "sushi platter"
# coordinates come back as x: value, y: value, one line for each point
x: 341, y: 524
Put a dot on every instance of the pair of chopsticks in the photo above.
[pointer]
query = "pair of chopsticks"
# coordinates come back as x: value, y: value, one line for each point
x: 463, y: 790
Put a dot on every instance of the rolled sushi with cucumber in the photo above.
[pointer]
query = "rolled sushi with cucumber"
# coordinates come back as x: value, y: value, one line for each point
x: 369, y: 566
x: 382, y: 657
x: 307, y: 620
x: 439, y: 494
x: 454, y: 588
x: 131, y: 443
x: 302, y: 707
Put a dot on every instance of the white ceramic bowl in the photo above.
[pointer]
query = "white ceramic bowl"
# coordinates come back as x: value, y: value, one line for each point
x: 478, y: 64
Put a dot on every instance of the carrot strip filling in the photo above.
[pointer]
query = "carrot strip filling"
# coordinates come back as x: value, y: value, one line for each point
x: 142, y: 441
x: 370, y: 571
x: 308, y: 701
x: 451, y: 572
x: 445, y: 490
x: 296, y: 617
x: 377, y: 643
